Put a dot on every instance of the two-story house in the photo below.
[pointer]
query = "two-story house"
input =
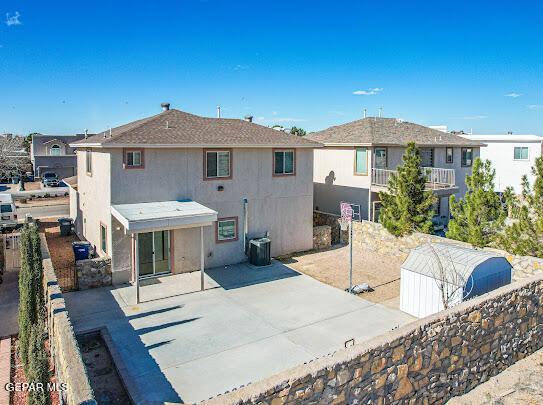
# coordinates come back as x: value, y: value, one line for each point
x: 359, y: 157
x: 53, y: 153
x: 175, y: 192
x: 512, y: 156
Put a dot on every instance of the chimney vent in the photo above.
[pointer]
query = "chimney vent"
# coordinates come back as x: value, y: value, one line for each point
x: 165, y: 106
x: 86, y: 133
x: 509, y: 132
x: 365, y: 112
x: 218, y: 111
x: 248, y: 118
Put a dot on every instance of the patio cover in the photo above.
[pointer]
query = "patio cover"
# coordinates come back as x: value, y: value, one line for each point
x: 146, y: 217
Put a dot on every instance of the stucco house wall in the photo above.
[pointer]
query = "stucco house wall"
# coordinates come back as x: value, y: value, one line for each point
x: 64, y: 165
x: 280, y: 205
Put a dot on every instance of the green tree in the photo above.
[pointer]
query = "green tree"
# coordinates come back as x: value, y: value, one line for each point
x: 480, y: 215
x: 524, y: 235
x: 38, y: 370
x: 407, y: 206
x: 297, y: 131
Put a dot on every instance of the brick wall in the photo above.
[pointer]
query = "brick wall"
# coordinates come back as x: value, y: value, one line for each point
x: 425, y: 362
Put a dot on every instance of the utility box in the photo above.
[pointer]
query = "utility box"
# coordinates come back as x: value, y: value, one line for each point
x: 260, y: 251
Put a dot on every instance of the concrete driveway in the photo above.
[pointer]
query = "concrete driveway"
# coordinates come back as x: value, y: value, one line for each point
x: 250, y: 323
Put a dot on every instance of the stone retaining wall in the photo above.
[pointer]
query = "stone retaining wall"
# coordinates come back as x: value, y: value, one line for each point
x: 374, y: 237
x: 69, y: 367
x: 322, y: 237
x: 425, y: 362
x: 323, y: 218
x: 93, y: 273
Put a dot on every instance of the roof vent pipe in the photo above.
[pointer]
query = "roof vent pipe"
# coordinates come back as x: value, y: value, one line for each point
x: 380, y: 112
x: 365, y: 112
x: 248, y: 118
x: 165, y: 106
x: 218, y: 111
x: 86, y: 133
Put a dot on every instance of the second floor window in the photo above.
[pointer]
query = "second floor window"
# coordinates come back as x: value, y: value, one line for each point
x: 427, y: 157
x: 55, y: 150
x: 521, y: 153
x: 284, y: 162
x: 88, y: 161
x: 133, y: 158
x: 467, y: 157
x: 361, y: 161
x: 380, y: 158
x: 218, y: 164
x: 449, y: 155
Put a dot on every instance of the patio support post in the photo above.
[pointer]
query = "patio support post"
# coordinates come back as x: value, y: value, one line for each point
x: 137, y: 263
x: 202, y: 272
x: 369, y: 203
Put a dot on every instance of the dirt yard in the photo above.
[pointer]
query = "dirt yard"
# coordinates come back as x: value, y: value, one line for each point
x: 62, y: 255
x: 42, y: 202
x: 332, y: 267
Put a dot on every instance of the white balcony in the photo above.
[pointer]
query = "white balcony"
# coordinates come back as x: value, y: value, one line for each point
x: 437, y: 178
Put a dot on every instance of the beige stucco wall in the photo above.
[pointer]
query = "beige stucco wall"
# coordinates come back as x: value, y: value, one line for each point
x: 335, y: 181
x: 282, y: 206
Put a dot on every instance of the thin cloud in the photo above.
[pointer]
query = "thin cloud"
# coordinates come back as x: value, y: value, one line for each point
x: 535, y: 107
x: 276, y: 120
x: 241, y: 67
x: 474, y: 117
x: 13, y: 19
x: 513, y: 95
x: 369, y: 92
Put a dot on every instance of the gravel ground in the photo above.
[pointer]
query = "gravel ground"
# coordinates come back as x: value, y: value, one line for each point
x: 42, y: 202
x: 522, y: 383
x: 331, y: 266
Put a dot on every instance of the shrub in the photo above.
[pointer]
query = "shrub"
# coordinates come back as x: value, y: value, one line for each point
x: 38, y: 366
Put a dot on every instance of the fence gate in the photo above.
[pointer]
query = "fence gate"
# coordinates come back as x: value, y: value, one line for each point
x: 12, y: 255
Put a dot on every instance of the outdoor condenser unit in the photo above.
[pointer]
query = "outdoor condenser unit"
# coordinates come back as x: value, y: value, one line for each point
x: 260, y: 251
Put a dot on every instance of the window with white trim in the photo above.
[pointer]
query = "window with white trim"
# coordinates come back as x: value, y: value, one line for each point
x: 55, y: 150
x: 449, y: 156
x: 520, y: 153
x: 133, y: 158
x: 217, y: 164
x: 284, y: 162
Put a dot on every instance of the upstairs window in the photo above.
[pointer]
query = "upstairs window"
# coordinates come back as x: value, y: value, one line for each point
x: 449, y: 155
x: 361, y: 161
x: 133, y: 158
x: 427, y: 157
x: 55, y: 150
x: 218, y: 164
x: 467, y: 157
x: 88, y: 161
x: 283, y: 162
x: 521, y: 153
x: 380, y: 158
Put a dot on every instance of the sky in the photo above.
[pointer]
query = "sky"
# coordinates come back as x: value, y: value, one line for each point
x: 471, y: 65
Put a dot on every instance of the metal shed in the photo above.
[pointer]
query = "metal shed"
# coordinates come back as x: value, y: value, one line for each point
x: 436, y: 273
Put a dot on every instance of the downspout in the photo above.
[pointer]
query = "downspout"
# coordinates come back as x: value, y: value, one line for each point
x: 245, y: 223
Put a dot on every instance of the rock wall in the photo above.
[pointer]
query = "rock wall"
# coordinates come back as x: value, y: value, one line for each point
x: 323, y: 218
x: 69, y: 367
x: 425, y: 362
x: 322, y: 237
x: 93, y: 273
x: 374, y: 237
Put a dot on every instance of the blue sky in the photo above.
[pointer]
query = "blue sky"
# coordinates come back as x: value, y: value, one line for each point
x: 66, y: 66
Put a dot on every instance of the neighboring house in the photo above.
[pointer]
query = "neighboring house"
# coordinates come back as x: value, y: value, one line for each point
x: 150, y: 194
x: 53, y: 153
x: 512, y: 156
x: 359, y: 157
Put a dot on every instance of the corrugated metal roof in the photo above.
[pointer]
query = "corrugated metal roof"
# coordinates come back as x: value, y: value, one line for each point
x: 453, y: 258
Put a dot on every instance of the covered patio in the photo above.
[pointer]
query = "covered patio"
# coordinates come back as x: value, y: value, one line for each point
x: 151, y: 226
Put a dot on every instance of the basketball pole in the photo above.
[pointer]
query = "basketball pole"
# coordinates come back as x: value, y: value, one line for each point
x: 351, y: 255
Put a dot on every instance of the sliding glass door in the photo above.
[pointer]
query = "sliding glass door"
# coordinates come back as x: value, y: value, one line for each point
x: 154, y: 253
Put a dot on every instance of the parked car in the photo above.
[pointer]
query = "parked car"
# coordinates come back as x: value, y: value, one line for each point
x: 50, y: 179
x: 8, y: 212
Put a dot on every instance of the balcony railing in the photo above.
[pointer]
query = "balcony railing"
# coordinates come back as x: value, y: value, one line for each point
x: 437, y: 178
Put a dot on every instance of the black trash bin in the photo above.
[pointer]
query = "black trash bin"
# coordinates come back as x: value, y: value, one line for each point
x: 65, y: 226
x: 259, y: 251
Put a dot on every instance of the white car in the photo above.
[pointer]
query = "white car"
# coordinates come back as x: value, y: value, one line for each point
x: 8, y: 211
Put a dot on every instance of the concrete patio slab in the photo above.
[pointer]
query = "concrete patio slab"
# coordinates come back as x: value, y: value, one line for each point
x: 248, y: 324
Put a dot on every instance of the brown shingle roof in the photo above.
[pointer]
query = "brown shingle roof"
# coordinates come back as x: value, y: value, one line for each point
x: 174, y: 127
x: 387, y: 131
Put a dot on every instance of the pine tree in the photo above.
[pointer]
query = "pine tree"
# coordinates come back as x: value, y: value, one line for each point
x: 479, y: 216
x: 524, y: 236
x: 407, y: 206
